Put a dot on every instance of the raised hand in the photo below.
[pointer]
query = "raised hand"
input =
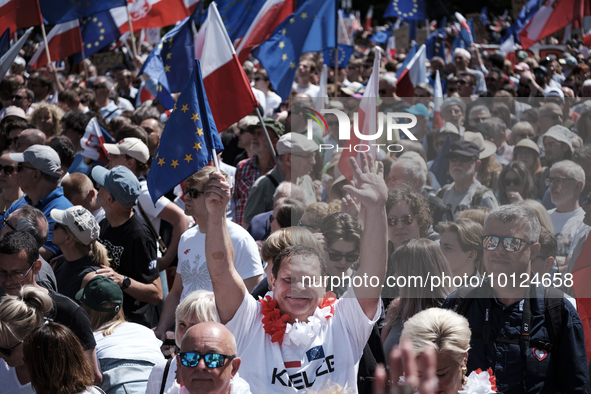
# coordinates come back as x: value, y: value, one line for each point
x: 217, y: 194
x: 368, y: 187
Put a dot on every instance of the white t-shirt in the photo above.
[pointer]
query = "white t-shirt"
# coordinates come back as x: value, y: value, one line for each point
x: 129, y: 341
x: 273, y: 100
x: 460, y: 201
x: 148, y: 206
x: 192, y: 265
x: 313, y: 90
x: 567, y: 226
x: 10, y: 383
x: 326, y: 360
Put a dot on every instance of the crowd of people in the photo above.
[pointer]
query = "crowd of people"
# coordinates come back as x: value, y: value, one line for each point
x: 105, y: 291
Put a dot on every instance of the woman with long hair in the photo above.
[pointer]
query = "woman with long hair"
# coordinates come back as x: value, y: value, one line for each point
x: 76, y: 234
x: 56, y: 362
x: 126, y: 351
x: 417, y: 258
x: 19, y: 316
x: 515, y: 183
x: 528, y: 152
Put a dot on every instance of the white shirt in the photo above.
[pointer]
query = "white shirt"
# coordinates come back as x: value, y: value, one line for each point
x: 10, y: 383
x: 151, y: 211
x: 129, y: 341
x: 332, y: 356
x: 192, y: 265
x: 567, y: 226
x: 272, y: 100
x: 313, y: 90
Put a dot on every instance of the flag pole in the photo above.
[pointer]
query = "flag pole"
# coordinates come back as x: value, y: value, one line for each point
x: 215, y: 160
x: 336, y: 51
x: 133, y: 48
x: 269, y: 142
x: 45, y: 42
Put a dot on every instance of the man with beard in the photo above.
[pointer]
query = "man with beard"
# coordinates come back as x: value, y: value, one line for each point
x: 466, y: 192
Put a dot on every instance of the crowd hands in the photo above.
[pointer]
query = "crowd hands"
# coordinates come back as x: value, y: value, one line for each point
x: 227, y: 292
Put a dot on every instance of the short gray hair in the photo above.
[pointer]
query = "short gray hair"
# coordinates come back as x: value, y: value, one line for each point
x: 32, y: 221
x: 497, y: 124
x: 462, y: 52
x: 518, y: 213
x: 573, y: 170
x: 390, y: 79
x: 199, y: 304
x: 478, y: 108
x: 412, y: 168
x: 108, y: 81
x: 289, y: 190
x: 425, y: 86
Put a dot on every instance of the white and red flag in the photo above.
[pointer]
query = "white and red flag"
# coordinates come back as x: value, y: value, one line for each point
x: 146, y: 14
x: 550, y: 18
x: 93, y: 142
x: 508, y: 46
x: 413, y: 73
x: 269, y: 17
x: 368, y: 17
x: 18, y: 14
x: 64, y: 40
x: 367, y: 120
x: 222, y: 74
x: 437, y: 101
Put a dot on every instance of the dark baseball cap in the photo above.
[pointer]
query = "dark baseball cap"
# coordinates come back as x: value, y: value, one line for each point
x: 120, y: 182
x: 463, y: 148
x: 270, y: 124
x: 101, y: 290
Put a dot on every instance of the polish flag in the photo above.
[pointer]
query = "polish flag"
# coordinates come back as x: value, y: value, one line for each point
x: 509, y: 48
x: 391, y: 47
x: 465, y: 27
x: 18, y: 14
x: 414, y: 73
x: 367, y: 120
x: 146, y: 14
x: 368, y: 18
x: 222, y: 73
x: 587, y: 39
x: 93, y: 142
x: 269, y: 17
x: 64, y: 40
x: 437, y: 100
x: 551, y: 17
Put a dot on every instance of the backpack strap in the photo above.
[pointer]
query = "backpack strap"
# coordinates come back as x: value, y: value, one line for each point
x: 443, y: 189
x: 477, y: 198
x: 165, y: 376
x: 461, y: 302
x: 554, y: 304
x: 273, y: 180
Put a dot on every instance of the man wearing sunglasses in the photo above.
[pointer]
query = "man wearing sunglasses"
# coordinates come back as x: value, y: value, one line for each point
x: 514, y: 328
x: 465, y: 191
x: 550, y: 114
x: 208, y: 363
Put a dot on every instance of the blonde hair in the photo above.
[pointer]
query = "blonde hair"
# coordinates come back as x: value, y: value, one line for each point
x: 469, y: 237
x: 334, y: 388
x: 21, y: 314
x: 199, y: 304
x: 54, y: 111
x: 286, y: 237
x: 106, y: 322
x: 201, y: 177
x: 541, y: 213
x: 441, y: 329
x: 98, y: 252
x: 477, y: 214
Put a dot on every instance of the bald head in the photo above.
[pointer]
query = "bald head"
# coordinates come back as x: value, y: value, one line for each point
x: 78, y: 188
x: 206, y: 339
x: 28, y: 138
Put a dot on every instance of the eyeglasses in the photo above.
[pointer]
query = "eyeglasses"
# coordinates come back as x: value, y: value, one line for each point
x: 406, y: 219
x: 20, y: 166
x: 12, y: 140
x: 552, y: 116
x: 272, y: 218
x: 258, y: 79
x: 461, y: 82
x: 17, y: 97
x: 510, y: 244
x: 350, y: 257
x: 7, y: 169
x: 193, y: 193
x: 463, y: 159
x: 212, y: 360
x: 18, y: 277
x: 382, y: 91
x: 451, y: 90
x: 540, y: 75
x: 8, y: 351
x: 5, y: 222
x: 511, y: 181
x: 95, y: 87
x: 307, y: 157
x: 557, y: 181
x: 479, y: 119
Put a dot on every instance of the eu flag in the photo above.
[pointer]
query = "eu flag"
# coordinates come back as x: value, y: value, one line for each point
x: 321, y: 34
x: 280, y: 53
x: 435, y: 45
x: 238, y: 15
x: 60, y: 11
x: 171, y: 61
x: 407, y: 9
x: 97, y: 32
x: 381, y: 37
x: 315, y: 353
x: 344, y: 53
x: 187, y: 141
x: 440, y: 166
x: 526, y: 13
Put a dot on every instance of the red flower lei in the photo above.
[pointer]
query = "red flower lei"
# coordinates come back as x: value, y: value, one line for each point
x: 491, y: 378
x: 275, y: 323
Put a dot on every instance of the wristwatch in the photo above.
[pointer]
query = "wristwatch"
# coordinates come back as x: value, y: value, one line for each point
x: 126, y: 283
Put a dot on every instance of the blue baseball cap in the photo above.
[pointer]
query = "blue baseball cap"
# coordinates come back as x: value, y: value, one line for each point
x: 418, y: 109
x: 120, y: 182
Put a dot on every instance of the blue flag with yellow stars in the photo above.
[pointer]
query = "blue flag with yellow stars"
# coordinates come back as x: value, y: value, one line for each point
x: 280, y: 53
x: 171, y: 61
x: 344, y: 54
x: 97, y: 32
x: 381, y: 37
x: 60, y: 11
x: 238, y: 15
x: 187, y: 140
x: 407, y: 9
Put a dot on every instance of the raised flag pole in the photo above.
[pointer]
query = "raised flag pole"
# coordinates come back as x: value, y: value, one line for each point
x: 45, y: 42
x: 133, y: 48
x: 336, y: 52
x: 269, y: 142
